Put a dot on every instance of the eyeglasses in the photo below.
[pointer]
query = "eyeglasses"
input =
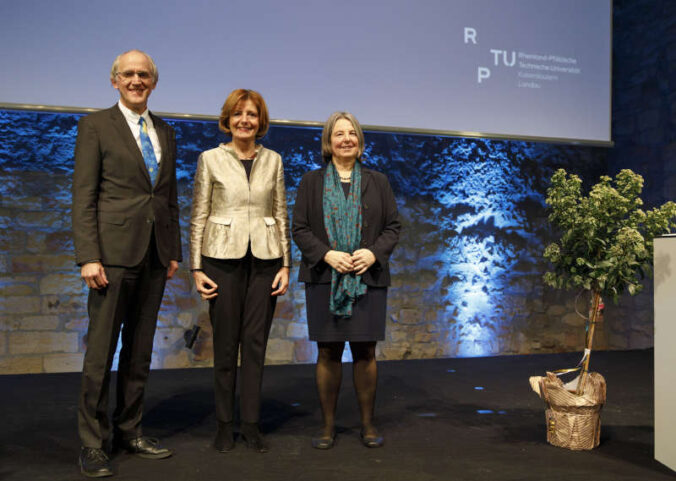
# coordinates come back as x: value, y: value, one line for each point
x: 129, y: 74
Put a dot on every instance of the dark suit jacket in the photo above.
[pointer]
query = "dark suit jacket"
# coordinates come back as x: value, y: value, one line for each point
x: 380, y: 227
x: 115, y: 208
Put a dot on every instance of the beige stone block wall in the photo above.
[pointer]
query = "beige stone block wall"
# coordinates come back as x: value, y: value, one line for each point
x: 63, y: 362
x: 43, y: 303
x: 41, y: 342
x: 21, y: 365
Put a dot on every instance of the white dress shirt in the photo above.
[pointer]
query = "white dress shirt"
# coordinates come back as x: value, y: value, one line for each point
x: 132, y: 120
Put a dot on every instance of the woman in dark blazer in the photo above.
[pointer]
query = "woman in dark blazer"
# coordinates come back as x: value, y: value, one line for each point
x: 346, y: 224
x: 240, y: 257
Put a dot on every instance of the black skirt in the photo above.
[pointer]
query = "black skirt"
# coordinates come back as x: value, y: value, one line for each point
x: 366, y: 324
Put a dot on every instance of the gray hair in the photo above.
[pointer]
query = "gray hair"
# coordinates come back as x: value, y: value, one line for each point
x: 327, y: 153
x: 116, y: 63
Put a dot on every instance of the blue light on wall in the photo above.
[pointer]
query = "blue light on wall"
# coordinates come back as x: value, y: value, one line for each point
x: 469, y: 260
x: 480, y: 187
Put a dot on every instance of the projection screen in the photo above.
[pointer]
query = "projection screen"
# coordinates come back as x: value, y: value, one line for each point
x: 527, y: 69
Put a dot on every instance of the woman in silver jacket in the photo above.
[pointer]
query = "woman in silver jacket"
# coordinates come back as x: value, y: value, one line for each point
x: 240, y: 257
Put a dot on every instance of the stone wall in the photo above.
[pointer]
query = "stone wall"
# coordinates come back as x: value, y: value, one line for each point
x: 466, y: 274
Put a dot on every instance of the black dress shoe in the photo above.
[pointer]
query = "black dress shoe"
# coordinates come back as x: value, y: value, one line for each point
x: 371, y: 440
x: 253, y: 438
x: 224, y: 441
x: 144, y: 447
x: 322, y: 442
x: 94, y: 463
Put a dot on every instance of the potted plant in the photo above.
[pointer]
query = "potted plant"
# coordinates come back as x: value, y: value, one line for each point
x: 605, y: 248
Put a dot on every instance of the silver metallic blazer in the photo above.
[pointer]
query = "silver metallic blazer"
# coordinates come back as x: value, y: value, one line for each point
x: 228, y: 211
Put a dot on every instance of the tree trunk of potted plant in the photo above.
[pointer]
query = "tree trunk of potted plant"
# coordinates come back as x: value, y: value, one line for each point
x: 589, y: 342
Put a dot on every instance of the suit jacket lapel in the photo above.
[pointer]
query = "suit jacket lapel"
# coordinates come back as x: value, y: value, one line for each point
x: 162, y: 134
x: 128, y: 139
x: 365, y: 177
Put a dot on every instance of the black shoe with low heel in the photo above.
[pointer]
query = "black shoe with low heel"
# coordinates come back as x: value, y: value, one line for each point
x: 371, y: 440
x: 323, y: 442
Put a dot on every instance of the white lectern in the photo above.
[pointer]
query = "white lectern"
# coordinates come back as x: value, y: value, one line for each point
x: 665, y: 350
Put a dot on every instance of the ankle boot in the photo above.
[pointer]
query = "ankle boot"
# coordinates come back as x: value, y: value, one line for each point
x: 224, y: 440
x: 253, y: 437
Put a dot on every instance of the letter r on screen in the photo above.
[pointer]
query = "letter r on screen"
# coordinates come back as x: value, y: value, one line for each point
x: 470, y: 34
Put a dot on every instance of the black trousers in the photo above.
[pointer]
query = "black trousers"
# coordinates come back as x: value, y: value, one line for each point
x: 240, y: 314
x: 130, y: 302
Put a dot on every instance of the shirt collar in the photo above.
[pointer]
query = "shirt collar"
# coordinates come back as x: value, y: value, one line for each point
x: 132, y: 116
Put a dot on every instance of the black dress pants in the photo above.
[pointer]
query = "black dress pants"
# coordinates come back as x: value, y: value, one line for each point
x: 130, y: 302
x: 240, y: 314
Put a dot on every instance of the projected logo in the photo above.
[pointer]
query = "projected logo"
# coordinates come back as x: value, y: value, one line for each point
x: 533, y: 70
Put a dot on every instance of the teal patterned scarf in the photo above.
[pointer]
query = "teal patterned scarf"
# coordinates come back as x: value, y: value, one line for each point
x: 342, y: 220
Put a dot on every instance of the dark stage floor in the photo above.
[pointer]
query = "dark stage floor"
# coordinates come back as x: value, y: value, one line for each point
x: 445, y: 419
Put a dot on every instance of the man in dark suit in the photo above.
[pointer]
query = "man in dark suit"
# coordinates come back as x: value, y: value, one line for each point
x: 127, y: 242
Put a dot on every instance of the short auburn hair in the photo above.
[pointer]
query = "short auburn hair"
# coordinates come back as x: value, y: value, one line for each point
x: 235, y: 97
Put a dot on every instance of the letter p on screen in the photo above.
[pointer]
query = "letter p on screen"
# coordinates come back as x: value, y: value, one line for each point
x: 482, y: 74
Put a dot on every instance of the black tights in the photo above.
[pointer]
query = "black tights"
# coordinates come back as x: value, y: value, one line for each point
x: 330, y: 374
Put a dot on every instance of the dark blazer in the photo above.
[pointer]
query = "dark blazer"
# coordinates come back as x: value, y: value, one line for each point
x: 115, y: 208
x: 380, y: 227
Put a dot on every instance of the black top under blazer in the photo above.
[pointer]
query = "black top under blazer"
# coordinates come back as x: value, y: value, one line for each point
x: 379, y: 234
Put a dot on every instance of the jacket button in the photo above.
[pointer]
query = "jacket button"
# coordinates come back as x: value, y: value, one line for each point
x: 366, y: 224
x: 366, y: 206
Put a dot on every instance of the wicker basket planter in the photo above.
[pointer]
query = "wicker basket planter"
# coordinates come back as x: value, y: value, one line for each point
x: 573, y: 421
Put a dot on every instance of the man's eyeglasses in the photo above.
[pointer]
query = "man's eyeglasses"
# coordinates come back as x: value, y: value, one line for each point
x: 129, y: 74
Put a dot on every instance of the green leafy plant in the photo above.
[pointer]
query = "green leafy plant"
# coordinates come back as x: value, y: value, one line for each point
x: 606, y: 245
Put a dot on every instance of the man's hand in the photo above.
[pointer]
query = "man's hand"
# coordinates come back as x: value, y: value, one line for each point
x: 340, y: 261
x: 281, y: 282
x: 362, y: 260
x: 205, y: 286
x: 173, y: 267
x: 94, y: 275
